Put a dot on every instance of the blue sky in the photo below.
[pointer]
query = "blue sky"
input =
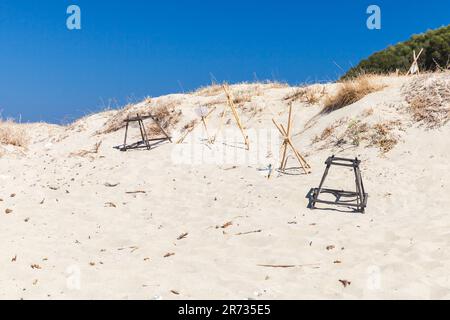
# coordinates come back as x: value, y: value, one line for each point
x: 127, y: 50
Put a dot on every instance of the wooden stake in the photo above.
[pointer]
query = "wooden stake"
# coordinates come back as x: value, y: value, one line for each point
x: 235, y: 115
x: 206, y: 129
x: 194, y: 126
x: 415, y: 66
x: 287, y: 142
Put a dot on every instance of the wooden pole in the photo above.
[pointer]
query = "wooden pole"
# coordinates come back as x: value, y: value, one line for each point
x: 206, y: 129
x: 287, y: 141
x: 236, y: 116
x: 194, y: 126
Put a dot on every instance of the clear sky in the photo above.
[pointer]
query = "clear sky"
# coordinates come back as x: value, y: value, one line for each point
x: 127, y: 50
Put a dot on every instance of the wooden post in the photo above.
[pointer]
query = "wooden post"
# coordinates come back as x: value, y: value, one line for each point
x: 235, y: 115
x: 415, y: 65
x: 206, y: 129
x: 194, y: 126
x: 287, y: 142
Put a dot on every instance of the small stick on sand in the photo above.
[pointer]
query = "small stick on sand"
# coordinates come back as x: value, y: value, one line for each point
x: 249, y: 232
x: 135, y: 192
x: 182, y: 236
x: 111, y: 185
x: 277, y: 266
x: 225, y: 225
x: 288, y: 265
x: 167, y: 255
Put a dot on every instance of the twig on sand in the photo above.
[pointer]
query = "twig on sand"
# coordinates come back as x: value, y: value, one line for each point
x: 110, y: 205
x: 225, y: 225
x: 135, y: 192
x: 111, y: 185
x: 345, y: 283
x: 249, y: 232
x: 285, y: 266
x: 84, y: 153
x: 182, y: 236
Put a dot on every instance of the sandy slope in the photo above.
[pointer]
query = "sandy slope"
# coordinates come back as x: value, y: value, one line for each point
x: 77, y: 230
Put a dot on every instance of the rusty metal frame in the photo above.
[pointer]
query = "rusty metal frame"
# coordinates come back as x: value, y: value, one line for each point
x: 145, y: 143
x: 357, y: 200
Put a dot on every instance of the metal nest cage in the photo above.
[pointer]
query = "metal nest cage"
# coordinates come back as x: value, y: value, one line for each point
x: 145, y: 143
x: 356, y: 200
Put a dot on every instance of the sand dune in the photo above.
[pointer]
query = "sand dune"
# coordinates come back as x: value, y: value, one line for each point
x: 80, y: 219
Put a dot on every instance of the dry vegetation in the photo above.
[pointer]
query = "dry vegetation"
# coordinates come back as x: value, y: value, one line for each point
x: 356, y: 133
x: 429, y: 98
x: 311, y: 94
x: 167, y: 117
x: 14, y: 134
x: 382, y: 137
x: 164, y: 111
x: 209, y: 91
x: 216, y: 89
x: 351, y: 91
x: 190, y: 125
x: 241, y: 94
x: 116, y: 122
x: 87, y: 153
x: 241, y: 97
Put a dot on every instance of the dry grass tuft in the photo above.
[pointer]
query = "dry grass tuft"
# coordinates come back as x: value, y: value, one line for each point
x: 351, y: 91
x: 216, y: 89
x: 382, y: 136
x: 242, y: 97
x: 245, y: 93
x: 275, y: 85
x: 116, y: 122
x: 311, y: 94
x: 87, y: 153
x: 209, y: 91
x: 14, y: 134
x: 190, y: 125
x: 326, y: 133
x: 379, y: 135
x: 358, y: 133
x: 241, y: 94
x: 165, y: 111
x: 429, y: 98
x: 167, y: 115
x: 367, y: 113
x: 329, y: 133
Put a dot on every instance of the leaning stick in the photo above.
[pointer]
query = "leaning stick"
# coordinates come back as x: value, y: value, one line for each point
x: 289, y: 140
x: 194, y: 126
x: 282, y: 167
x: 206, y: 129
x: 236, y: 116
x: 221, y: 123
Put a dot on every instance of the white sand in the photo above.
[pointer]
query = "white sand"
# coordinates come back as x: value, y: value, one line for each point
x: 63, y: 222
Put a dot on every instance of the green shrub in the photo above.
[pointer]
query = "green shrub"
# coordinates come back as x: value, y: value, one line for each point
x: 436, y: 45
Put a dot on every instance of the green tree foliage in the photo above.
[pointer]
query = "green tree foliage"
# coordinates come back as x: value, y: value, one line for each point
x: 436, y: 45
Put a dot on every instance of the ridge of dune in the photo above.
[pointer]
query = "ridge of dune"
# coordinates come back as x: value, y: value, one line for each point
x: 88, y: 221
